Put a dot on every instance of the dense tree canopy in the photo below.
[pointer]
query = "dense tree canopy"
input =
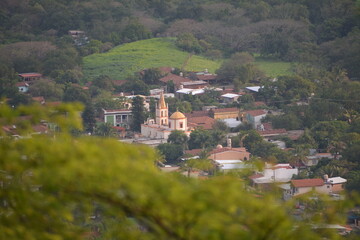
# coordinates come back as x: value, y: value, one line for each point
x: 64, y: 187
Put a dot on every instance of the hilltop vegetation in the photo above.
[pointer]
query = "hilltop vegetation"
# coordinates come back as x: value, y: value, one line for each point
x: 124, y: 60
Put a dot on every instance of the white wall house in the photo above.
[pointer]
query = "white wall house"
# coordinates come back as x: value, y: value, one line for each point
x: 254, y: 117
x: 118, y: 117
x: 279, y: 173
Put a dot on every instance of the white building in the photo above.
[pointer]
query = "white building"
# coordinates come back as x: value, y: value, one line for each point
x: 163, y: 125
x: 279, y: 173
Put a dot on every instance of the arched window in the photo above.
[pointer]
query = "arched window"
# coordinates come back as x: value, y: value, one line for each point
x: 162, y: 113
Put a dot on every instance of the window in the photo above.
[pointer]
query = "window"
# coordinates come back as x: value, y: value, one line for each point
x: 162, y: 113
x: 181, y: 125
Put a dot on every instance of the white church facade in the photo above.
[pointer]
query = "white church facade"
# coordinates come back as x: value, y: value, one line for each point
x: 163, y: 125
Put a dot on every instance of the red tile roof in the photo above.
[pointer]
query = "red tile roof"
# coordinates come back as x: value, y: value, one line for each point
x: 307, y: 182
x: 257, y: 104
x: 194, y: 152
x: 205, y: 122
x: 175, y: 78
x: 226, y: 149
x: 272, y: 132
x: 206, y: 77
x: 197, y: 114
x: 255, y: 113
x: 24, y: 75
x: 22, y: 84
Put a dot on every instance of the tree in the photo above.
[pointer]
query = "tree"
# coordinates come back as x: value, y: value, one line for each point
x: 135, y: 31
x: 76, y: 94
x: 104, y: 130
x: 103, y: 82
x: 152, y: 76
x: 171, y: 152
x: 8, y: 81
x: 132, y: 197
x: 135, y: 87
x: 239, y: 69
x: 178, y: 137
x: 189, y: 43
x: 47, y: 89
x: 88, y: 117
x: 138, y: 113
x: 200, y: 138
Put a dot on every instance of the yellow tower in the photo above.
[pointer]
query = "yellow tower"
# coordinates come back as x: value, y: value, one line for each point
x: 162, y: 112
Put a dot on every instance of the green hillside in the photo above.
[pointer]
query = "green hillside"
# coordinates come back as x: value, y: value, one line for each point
x: 126, y: 59
x: 273, y: 68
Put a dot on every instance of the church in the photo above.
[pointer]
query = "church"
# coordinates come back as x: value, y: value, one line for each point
x: 163, y: 125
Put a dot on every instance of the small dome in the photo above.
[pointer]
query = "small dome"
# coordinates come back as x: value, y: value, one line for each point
x: 177, y: 115
x: 219, y: 146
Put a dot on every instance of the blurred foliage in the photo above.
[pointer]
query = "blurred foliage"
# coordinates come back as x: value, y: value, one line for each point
x: 61, y: 187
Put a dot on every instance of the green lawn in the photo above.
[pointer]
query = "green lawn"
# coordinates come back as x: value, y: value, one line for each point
x: 126, y: 59
x: 122, y: 61
x: 273, y: 68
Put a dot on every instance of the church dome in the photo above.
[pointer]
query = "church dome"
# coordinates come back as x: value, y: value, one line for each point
x: 177, y: 115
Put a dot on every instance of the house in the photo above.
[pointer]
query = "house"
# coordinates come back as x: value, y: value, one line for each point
x: 337, y: 184
x: 229, y: 153
x: 302, y: 186
x: 30, y: 77
x: 229, y: 98
x: 314, y: 159
x: 225, y: 158
x: 206, y: 76
x: 195, y: 84
x: 222, y: 113
x: 323, y: 186
x: 228, y: 158
x: 23, y: 87
x: 189, y: 91
x: 177, y: 80
x: 279, y: 173
x: 253, y: 89
x: 204, y: 122
x: 254, y: 117
x: 117, y: 117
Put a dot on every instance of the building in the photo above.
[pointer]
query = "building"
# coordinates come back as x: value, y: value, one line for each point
x: 279, y: 173
x: 229, y: 98
x: 30, y: 77
x: 163, y: 125
x: 223, y: 113
x: 254, y: 117
x: 23, y: 87
x: 323, y: 186
x: 117, y: 117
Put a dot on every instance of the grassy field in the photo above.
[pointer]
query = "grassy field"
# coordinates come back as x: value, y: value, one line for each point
x: 126, y: 59
x: 122, y: 61
x: 273, y: 68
